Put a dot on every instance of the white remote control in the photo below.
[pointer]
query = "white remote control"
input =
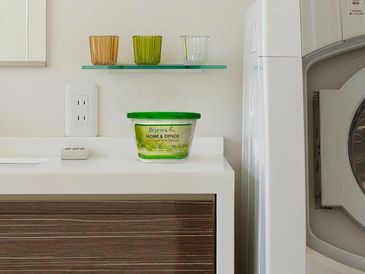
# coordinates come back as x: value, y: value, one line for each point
x: 75, y: 153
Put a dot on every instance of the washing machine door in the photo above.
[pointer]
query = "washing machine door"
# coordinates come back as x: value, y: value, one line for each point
x: 342, y: 118
x: 356, y: 145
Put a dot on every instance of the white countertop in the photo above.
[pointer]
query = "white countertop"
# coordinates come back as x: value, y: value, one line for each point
x: 112, y: 168
x: 99, y: 164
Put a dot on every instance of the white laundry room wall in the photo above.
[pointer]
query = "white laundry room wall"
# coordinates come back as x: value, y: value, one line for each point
x: 32, y: 99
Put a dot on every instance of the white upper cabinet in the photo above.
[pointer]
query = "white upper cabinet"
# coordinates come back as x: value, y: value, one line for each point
x: 321, y: 24
x: 23, y: 32
x: 353, y: 17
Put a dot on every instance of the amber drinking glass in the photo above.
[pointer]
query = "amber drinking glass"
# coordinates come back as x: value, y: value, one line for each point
x: 104, y: 50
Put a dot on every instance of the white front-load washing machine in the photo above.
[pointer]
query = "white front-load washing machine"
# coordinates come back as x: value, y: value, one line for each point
x: 333, y: 48
x: 336, y: 157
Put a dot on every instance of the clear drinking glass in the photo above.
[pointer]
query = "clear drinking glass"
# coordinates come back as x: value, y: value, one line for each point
x: 104, y: 50
x: 195, y: 48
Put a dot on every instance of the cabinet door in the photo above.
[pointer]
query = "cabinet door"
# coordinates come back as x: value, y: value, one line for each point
x: 23, y: 32
x: 353, y: 17
x: 321, y: 24
x: 107, y: 237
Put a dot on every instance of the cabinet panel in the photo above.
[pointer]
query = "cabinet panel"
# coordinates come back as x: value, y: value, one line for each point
x: 321, y: 24
x: 280, y: 21
x: 353, y: 17
x: 119, y: 237
x: 23, y: 27
x: 12, y: 30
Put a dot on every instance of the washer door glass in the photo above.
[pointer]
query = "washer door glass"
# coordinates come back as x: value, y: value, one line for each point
x: 356, y: 145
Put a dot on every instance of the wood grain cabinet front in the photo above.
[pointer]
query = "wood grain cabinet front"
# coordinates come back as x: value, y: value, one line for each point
x: 107, y: 237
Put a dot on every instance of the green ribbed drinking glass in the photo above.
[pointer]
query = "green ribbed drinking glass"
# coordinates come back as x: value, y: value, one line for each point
x: 147, y: 49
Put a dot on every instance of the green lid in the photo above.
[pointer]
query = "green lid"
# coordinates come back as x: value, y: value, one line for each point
x: 164, y: 115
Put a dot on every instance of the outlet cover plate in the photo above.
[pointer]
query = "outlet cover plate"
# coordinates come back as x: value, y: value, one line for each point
x: 81, y: 110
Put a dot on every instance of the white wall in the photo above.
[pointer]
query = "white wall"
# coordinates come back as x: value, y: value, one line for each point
x: 32, y: 100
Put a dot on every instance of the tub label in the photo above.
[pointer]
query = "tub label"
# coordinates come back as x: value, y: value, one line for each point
x: 163, y: 141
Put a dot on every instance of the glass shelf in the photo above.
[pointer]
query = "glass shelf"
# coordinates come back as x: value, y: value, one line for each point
x: 156, y: 67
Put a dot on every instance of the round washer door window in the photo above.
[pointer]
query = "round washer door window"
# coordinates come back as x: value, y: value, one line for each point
x: 356, y: 145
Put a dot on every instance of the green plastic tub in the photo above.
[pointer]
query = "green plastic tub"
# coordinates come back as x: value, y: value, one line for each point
x: 163, y: 136
x: 147, y: 49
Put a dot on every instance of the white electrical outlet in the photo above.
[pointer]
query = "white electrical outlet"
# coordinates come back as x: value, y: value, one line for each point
x: 81, y: 111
